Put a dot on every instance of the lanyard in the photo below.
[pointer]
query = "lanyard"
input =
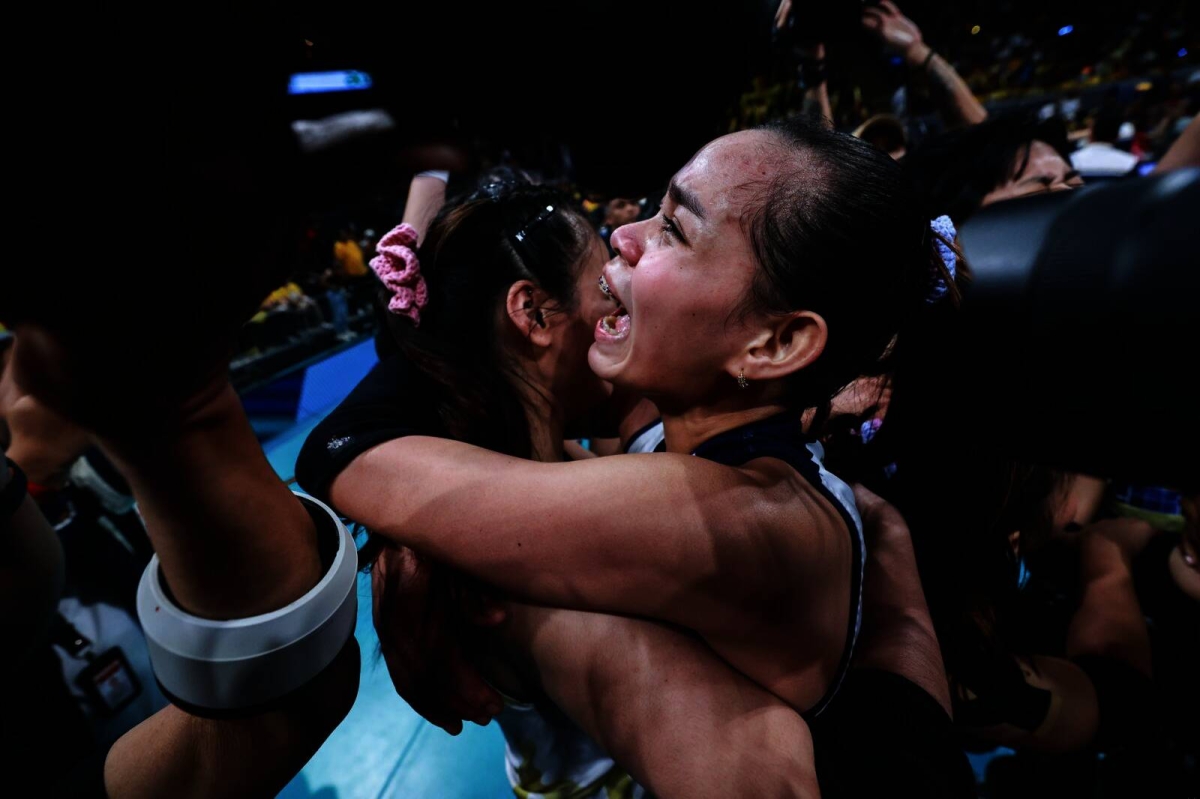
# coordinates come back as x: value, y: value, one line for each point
x: 66, y: 635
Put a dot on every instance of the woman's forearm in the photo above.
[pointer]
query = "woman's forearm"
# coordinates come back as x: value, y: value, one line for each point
x: 426, y: 196
x: 1184, y: 152
x: 816, y: 103
x: 232, y: 540
x: 955, y: 98
x: 176, y: 754
x: 1109, y: 620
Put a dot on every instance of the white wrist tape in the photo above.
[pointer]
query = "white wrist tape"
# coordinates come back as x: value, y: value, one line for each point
x: 244, y: 663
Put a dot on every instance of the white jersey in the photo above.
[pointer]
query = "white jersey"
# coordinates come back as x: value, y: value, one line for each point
x: 547, y: 756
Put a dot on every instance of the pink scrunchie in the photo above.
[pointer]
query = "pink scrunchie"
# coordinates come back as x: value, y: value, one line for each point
x: 398, y: 268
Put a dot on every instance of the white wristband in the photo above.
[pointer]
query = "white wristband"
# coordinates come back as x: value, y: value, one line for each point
x: 245, y: 663
x: 440, y: 174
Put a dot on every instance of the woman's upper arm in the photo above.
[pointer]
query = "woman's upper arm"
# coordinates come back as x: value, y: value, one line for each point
x: 664, y: 706
x: 384, y: 405
x: 667, y: 536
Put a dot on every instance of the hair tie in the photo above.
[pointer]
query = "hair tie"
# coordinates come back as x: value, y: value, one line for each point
x: 868, y: 431
x: 397, y: 266
x: 944, y: 227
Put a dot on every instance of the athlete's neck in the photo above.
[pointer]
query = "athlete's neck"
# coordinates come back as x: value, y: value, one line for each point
x: 688, y: 430
x: 546, y: 420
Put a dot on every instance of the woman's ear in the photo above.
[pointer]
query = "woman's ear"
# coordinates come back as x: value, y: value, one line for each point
x: 525, y: 312
x: 787, y: 344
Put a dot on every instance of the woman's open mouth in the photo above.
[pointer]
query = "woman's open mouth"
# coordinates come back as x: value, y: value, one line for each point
x: 614, y: 326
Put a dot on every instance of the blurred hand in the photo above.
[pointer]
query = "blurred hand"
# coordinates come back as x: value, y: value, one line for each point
x: 898, y: 33
x: 446, y: 155
x: 879, y: 517
x: 814, y: 52
x: 781, y: 15
x: 1189, y: 543
x: 43, y: 443
x: 112, y: 386
x: 424, y: 635
x: 865, y: 398
x: 119, y: 349
x: 9, y: 391
x: 1184, y: 563
x: 1129, y: 535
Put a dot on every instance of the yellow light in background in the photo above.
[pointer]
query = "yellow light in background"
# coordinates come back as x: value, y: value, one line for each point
x: 974, y: 30
x: 1145, y: 86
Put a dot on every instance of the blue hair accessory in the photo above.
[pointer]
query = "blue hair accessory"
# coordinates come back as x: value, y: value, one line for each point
x: 868, y: 430
x: 944, y: 228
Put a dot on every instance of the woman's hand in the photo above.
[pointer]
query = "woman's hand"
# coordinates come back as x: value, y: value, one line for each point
x: 114, y: 349
x: 1128, y: 537
x: 1184, y: 562
x: 879, y: 517
x: 898, y: 33
x: 1189, y: 545
x: 782, y: 14
x: 424, y: 632
x: 43, y: 443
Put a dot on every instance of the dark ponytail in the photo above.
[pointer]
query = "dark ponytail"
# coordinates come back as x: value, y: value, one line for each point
x: 839, y: 231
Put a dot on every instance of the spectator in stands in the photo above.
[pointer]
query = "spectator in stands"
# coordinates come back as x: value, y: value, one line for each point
x: 348, y: 256
x: 619, y: 211
x: 962, y: 171
x: 886, y: 132
x: 1100, y: 156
